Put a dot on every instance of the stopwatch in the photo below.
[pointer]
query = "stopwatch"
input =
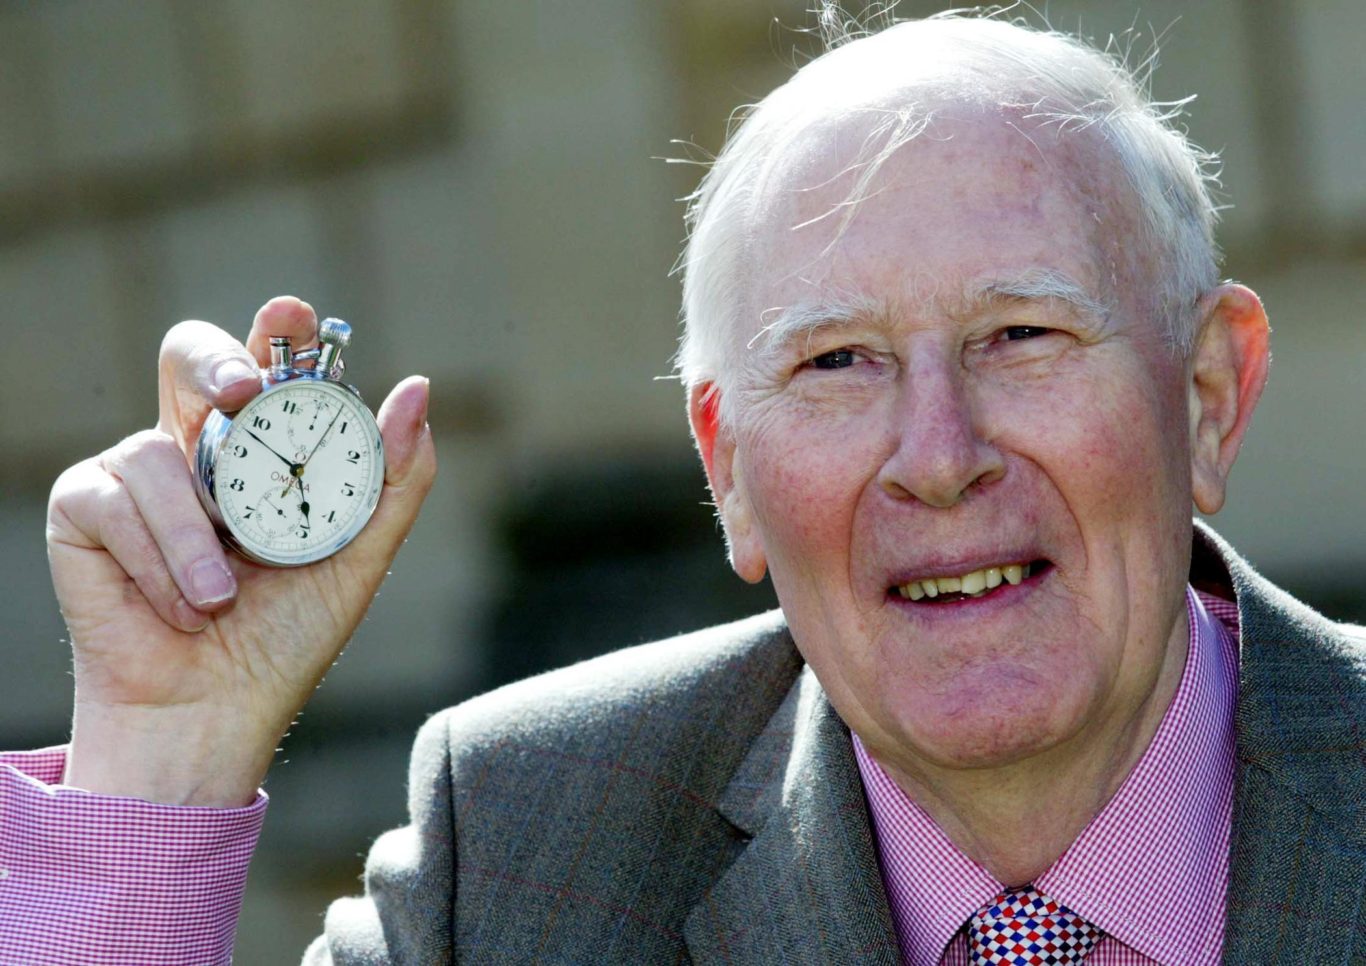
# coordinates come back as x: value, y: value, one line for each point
x: 294, y: 475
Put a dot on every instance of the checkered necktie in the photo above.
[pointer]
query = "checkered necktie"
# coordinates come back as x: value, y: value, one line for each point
x: 1023, y: 927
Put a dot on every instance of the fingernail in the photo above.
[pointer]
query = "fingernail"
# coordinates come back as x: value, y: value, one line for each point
x: 211, y: 582
x: 190, y: 618
x: 229, y: 372
x: 426, y: 400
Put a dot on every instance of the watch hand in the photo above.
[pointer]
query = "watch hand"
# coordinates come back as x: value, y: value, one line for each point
x: 304, y: 464
x: 268, y: 446
x: 303, y: 497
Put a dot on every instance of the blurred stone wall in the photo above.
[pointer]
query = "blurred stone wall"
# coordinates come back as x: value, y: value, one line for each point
x: 476, y: 187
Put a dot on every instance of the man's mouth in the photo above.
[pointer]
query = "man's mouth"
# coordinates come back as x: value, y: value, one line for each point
x: 968, y: 586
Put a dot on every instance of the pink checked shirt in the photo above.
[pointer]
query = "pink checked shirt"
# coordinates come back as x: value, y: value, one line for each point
x: 88, y: 879
x: 1151, y: 869
x: 92, y: 879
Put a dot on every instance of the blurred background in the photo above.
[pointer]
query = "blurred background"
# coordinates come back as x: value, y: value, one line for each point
x: 478, y: 188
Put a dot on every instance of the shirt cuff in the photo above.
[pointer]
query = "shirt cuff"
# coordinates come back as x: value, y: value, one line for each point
x: 88, y: 878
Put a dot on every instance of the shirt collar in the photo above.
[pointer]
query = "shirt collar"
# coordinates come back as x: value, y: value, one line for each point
x: 932, y: 887
x: 1151, y: 869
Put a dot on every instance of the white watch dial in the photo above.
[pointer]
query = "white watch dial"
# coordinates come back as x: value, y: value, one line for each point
x: 299, y: 471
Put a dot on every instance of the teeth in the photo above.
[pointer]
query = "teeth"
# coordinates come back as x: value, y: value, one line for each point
x: 974, y: 584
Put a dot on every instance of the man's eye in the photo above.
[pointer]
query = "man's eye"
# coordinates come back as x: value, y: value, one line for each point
x: 838, y: 359
x: 1017, y: 332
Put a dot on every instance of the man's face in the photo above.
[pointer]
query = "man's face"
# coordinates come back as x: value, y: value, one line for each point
x: 960, y: 379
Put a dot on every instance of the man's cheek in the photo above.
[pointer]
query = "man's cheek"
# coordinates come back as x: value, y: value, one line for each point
x: 1116, y: 441
x: 802, y: 514
x: 804, y: 495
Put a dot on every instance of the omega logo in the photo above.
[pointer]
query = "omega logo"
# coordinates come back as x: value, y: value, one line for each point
x: 279, y: 477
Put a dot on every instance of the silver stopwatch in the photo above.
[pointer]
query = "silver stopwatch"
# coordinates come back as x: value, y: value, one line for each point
x: 293, y: 476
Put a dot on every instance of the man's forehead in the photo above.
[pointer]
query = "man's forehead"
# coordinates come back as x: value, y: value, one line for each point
x: 939, y: 201
x: 832, y: 161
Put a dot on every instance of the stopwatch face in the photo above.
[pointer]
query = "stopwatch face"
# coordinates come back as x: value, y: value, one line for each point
x: 299, y: 472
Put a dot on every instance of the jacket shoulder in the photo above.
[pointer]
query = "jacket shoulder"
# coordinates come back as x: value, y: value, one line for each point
x: 586, y: 797
x: 1301, y: 691
x: 636, y: 694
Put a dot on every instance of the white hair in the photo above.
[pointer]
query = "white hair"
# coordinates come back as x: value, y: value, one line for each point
x: 1046, y: 77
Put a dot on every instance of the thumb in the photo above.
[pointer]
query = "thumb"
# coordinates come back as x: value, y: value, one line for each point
x: 409, y: 469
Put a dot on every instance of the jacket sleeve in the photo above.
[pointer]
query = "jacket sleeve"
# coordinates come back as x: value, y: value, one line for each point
x: 406, y: 914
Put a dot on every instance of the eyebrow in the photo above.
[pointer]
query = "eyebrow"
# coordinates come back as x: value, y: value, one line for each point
x: 1038, y: 285
x: 803, y: 319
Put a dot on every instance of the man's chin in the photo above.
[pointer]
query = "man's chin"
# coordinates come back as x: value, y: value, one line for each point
x: 982, y: 735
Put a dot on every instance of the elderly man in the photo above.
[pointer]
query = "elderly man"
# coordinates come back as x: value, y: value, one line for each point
x: 958, y: 362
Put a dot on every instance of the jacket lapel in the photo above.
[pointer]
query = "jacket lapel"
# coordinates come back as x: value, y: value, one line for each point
x: 806, y: 889
x: 1298, y: 858
x: 1296, y: 883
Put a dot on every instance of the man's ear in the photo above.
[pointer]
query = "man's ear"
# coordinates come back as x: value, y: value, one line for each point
x: 716, y: 444
x: 1228, y: 372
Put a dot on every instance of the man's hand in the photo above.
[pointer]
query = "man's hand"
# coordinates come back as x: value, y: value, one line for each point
x: 191, y: 662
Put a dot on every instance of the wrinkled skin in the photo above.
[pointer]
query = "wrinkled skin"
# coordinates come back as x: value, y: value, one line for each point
x: 927, y: 428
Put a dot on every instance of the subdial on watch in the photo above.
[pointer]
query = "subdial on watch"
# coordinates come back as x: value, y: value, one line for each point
x: 275, y: 511
x: 310, y: 421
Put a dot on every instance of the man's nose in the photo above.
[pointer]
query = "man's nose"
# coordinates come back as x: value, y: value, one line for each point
x: 939, y: 447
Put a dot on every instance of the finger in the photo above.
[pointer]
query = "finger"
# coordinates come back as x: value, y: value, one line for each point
x: 409, y: 469
x: 402, y: 422
x: 283, y: 316
x: 203, y: 367
x: 93, y: 521
x: 154, y: 473
x: 200, y: 367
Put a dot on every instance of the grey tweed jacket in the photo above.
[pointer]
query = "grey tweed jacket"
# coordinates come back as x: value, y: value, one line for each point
x: 696, y: 800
